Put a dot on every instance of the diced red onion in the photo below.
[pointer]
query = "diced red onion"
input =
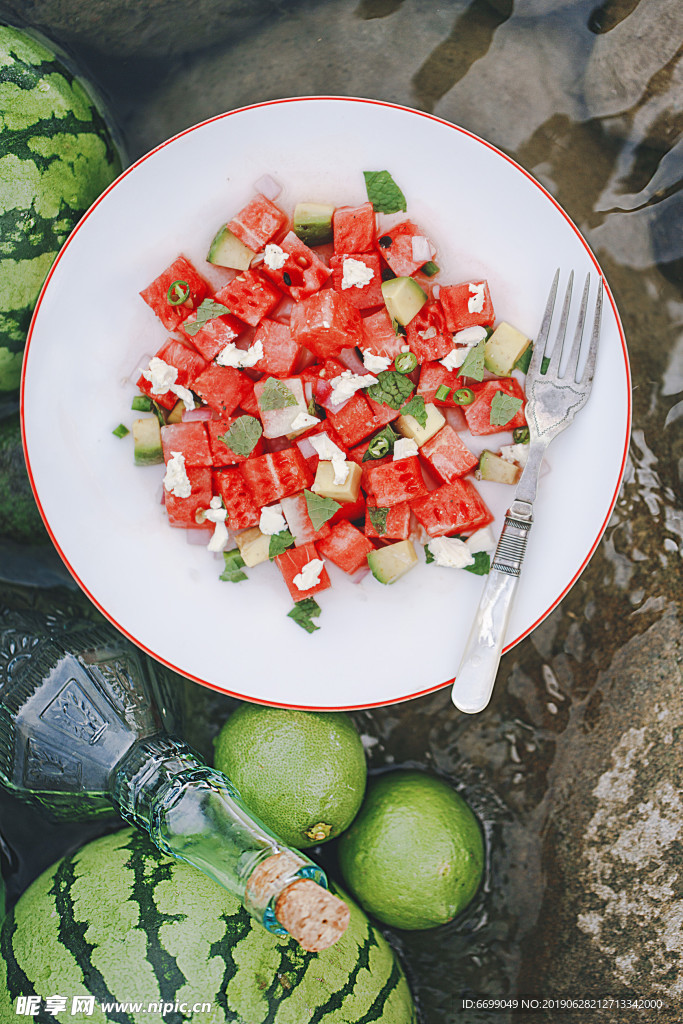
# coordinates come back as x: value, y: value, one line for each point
x: 422, y: 249
x: 349, y: 357
x: 268, y: 187
x: 306, y: 448
x: 306, y: 358
x: 436, y: 289
x: 455, y: 417
x: 202, y: 413
x: 276, y: 444
x: 308, y: 389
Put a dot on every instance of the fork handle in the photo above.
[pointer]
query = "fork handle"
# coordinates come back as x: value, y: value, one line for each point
x: 473, y: 684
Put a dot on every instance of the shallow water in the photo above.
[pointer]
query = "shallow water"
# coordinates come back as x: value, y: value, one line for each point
x: 587, y: 97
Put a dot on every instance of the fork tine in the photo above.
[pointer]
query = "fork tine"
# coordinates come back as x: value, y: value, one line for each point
x: 556, y: 355
x: 573, y: 361
x: 544, y: 330
x: 589, y: 368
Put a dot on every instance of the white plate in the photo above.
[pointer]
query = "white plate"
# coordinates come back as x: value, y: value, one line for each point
x: 376, y: 644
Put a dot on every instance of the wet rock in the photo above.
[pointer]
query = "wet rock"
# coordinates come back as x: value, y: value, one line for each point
x: 634, y: 75
x: 612, y: 919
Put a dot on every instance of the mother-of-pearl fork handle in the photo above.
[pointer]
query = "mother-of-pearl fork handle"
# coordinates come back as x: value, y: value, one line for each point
x: 473, y: 684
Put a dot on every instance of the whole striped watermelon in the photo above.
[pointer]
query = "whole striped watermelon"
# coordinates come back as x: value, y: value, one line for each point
x: 56, y: 157
x: 120, y: 921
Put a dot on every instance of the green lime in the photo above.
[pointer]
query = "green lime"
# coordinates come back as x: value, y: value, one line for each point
x: 302, y: 773
x: 414, y: 856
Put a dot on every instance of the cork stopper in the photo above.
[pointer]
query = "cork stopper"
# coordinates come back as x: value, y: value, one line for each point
x: 313, y: 916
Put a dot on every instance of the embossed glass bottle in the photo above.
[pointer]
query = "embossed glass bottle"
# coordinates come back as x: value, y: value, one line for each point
x: 81, y: 735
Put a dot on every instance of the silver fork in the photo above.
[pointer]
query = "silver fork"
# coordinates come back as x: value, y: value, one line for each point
x: 553, y: 399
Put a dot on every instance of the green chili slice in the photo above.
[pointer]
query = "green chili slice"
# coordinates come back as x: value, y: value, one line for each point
x: 442, y: 393
x: 178, y: 292
x: 378, y: 448
x: 520, y: 435
x: 405, y: 362
x: 463, y: 396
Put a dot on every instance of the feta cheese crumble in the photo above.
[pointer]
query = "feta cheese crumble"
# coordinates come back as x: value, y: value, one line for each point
x: 240, y: 358
x: 274, y: 257
x: 518, y: 453
x: 347, y: 383
x: 451, y: 552
x: 309, y: 575
x: 429, y: 332
x: 217, y: 514
x: 272, y: 520
x: 404, y: 448
x: 303, y: 420
x: 466, y: 340
x: 375, y: 364
x: 176, y: 479
x: 162, y: 376
x: 356, y: 273
x: 475, y: 303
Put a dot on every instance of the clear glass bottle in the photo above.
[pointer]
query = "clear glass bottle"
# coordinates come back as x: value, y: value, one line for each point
x: 81, y: 735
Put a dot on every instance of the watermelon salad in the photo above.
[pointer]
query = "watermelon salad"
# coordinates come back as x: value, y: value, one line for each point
x: 319, y: 405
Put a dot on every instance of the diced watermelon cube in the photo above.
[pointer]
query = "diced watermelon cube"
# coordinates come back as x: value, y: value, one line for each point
x: 258, y: 222
x: 295, y: 511
x: 214, y: 335
x: 397, y: 525
x: 326, y: 322
x: 221, y: 455
x: 452, y: 508
x: 432, y: 377
x: 427, y: 334
x: 354, y: 228
x: 242, y: 510
x: 276, y: 475
x: 381, y: 414
x: 190, y: 439
x: 292, y: 561
x: 187, y: 362
x: 223, y: 388
x: 248, y: 401
x: 182, y: 512
x: 396, y: 246
x: 447, y: 455
x: 280, y: 350
x: 353, y: 421
x: 303, y: 272
x: 346, y: 546
x: 379, y: 336
x: 478, y: 414
x: 467, y: 305
x: 156, y: 293
x: 250, y: 296
x: 349, y: 510
x: 367, y: 295
x: 395, y: 482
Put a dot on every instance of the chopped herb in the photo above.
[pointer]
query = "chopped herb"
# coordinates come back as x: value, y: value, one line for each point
x: 319, y: 509
x: 399, y: 329
x: 417, y: 409
x: 521, y: 435
x: 392, y: 388
x: 381, y: 444
x: 545, y: 363
x: 120, y: 431
x: 233, y: 566
x: 243, y: 435
x: 287, y: 279
x: 159, y: 413
x: 378, y: 518
x: 207, y: 311
x: 141, y: 403
x: 383, y: 192
x: 442, y: 393
x: 463, y: 396
x: 178, y: 292
x: 481, y: 564
x: 276, y: 395
x: 385, y: 241
x: 405, y: 362
x: 504, y: 408
x: 430, y: 269
x: 473, y: 364
x: 304, y: 612
x: 522, y: 363
x: 429, y: 557
x: 313, y: 409
x: 279, y: 542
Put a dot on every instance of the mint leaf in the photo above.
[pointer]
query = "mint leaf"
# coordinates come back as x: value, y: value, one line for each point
x: 399, y: 328
x: 378, y: 518
x: 276, y: 395
x: 279, y: 542
x: 482, y: 563
x: 233, y: 565
x: 381, y: 444
x: 242, y: 436
x: 503, y: 408
x: 473, y: 363
x: 303, y: 612
x: 319, y: 509
x: 208, y: 310
x: 430, y: 269
x: 392, y: 388
x: 429, y: 557
x: 383, y: 192
x: 522, y: 363
x: 417, y: 409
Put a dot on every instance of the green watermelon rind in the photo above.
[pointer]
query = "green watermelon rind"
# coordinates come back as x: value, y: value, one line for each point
x: 122, y: 922
x: 57, y: 156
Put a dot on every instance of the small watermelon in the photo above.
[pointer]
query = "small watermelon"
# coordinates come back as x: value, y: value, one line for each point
x: 56, y: 157
x: 120, y: 921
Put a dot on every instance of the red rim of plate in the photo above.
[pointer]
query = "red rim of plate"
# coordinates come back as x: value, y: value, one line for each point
x: 345, y: 99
